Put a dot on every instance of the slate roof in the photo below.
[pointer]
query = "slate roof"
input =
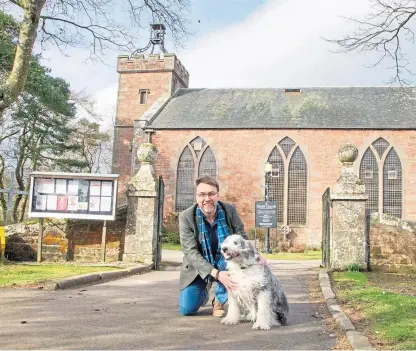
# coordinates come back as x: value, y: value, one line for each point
x: 320, y: 108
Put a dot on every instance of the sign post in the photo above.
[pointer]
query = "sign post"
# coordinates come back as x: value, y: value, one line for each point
x: 266, y: 217
x: 40, y: 238
x: 103, y: 241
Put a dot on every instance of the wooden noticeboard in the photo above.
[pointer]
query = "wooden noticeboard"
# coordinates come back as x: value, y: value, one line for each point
x: 73, y: 195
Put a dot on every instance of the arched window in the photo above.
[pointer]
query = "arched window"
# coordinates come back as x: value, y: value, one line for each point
x: 277, y: 182
x: 288, y: 182
x: 369, y: 175
x: 185, y: 180
x: 381, y: 145
x: 382, y: 178
x: 297, y: 194
x: 287, y: 145
x: 196, y: 160
x: 392, y: 185
x: 207, y: 164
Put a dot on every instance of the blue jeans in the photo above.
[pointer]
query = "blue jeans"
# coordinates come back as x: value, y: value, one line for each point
x: 192, y: 297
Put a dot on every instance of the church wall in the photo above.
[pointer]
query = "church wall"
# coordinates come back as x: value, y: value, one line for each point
x: 241, y: 154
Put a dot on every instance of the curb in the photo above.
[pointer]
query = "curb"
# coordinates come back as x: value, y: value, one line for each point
x: 355, y: 338
x: 98, y: 277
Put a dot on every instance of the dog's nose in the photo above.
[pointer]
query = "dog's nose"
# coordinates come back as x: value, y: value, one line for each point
x: 224, y: 249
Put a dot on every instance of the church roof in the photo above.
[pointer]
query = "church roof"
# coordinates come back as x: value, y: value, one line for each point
x: 309, y: 108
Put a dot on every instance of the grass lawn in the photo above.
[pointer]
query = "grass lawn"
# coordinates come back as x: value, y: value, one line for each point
x: 307, y: 255
x: 169, y: 246
x: 382, y: 305
x: 26, y: 275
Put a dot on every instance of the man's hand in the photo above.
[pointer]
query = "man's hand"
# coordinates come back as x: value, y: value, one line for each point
x: 225, y: 279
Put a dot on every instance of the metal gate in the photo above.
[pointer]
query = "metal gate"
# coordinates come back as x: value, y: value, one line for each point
x: 326, y: 227
x: 160, y: 202
x: 367, y: 238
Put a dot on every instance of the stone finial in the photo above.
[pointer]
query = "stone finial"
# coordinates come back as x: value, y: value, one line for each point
x: 347, y: 154
x: 147, y: 153
x: 144, y: 181
x: 348, y: 185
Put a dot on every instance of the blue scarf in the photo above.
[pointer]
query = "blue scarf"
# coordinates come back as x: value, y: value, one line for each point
x: 215, y: 258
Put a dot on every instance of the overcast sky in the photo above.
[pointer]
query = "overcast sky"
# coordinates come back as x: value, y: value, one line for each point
x: 249, y: 43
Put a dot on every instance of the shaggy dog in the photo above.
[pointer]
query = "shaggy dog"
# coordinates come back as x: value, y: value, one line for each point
x: 259, y: 295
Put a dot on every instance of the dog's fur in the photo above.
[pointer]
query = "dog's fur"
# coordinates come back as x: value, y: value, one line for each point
x: 259, y: 295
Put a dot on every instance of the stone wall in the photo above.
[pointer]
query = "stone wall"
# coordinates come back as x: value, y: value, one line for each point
x: 66, y: 240
x: 393, y: 244
x: 22, y: 241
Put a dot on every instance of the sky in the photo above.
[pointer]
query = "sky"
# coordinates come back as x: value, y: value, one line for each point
x: 247, y: 44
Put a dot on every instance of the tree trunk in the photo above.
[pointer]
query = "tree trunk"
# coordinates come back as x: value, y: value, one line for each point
x: 16, y: 81
x: 3, y: 203
x: 23, y: 208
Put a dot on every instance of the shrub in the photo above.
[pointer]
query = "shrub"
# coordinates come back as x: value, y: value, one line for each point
x: 171, y: 229
x: 260, y: 234
x: 171, y: 238
x: 354, y: 267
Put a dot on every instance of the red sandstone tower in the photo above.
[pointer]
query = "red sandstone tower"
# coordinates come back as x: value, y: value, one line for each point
x: 142, y: 80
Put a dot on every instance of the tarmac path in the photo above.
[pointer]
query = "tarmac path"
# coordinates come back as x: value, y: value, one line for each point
x: 141, y: 312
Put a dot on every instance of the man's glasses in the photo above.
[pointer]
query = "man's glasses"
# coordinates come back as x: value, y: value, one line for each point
x: 204, y: 195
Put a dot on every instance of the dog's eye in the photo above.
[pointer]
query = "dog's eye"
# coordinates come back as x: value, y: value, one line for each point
x: 235, y: 243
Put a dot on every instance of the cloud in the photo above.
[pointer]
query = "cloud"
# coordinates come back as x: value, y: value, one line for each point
x: 281, y: 45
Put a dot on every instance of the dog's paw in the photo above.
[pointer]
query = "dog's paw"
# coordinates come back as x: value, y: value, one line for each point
x: 229, y: 321
x: 249, y: 318
x: 262, y: 326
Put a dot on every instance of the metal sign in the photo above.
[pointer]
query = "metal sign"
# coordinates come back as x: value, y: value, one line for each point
x: 73, y: 195
x: 266, y: 214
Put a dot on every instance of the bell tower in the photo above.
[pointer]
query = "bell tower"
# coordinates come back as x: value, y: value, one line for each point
x: 142, y: 80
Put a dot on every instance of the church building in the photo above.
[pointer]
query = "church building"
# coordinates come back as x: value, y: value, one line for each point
x: 231, y: 133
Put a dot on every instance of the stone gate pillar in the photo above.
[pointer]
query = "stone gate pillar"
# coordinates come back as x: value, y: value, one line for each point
x: 141, y: 227
x: 348, y: 239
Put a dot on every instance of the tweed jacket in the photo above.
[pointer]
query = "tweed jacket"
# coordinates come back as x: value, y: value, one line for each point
x: 193, y: 261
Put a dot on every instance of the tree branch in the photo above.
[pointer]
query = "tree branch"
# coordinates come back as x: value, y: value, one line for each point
x: 383, y: 31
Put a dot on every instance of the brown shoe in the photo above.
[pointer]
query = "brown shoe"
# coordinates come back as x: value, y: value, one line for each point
x: 218, y: 309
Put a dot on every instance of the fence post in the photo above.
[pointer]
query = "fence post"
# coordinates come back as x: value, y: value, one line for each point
x: 40, y: 239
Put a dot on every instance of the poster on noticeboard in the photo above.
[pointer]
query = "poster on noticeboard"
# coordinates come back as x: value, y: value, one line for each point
x: 73, y: 195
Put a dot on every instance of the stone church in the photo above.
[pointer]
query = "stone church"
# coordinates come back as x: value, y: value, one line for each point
x: 231, y: 133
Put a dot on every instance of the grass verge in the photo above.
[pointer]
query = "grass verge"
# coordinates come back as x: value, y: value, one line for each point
x: 29, y: 275
x: 169, y: 246
x: 307, y: 255
x: 387, y: 316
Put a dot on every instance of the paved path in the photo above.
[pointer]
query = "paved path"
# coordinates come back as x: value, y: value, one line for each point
x: 141, y: 312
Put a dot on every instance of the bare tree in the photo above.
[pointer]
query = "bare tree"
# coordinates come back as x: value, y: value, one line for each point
x: 97, y: 25
x: 384, y: 30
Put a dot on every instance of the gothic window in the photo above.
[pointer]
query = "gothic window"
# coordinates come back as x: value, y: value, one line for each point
x: 288, y: 182
x: 297, y: 188
x: 196, y: 160
x: 392, y: 185
x: 277, y: 182
x: 287, y: 145
x: 369, y: 175
x: 185, y: 180
x: 380, y: 145
x: 382, y: 177
x: 207, y: 164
